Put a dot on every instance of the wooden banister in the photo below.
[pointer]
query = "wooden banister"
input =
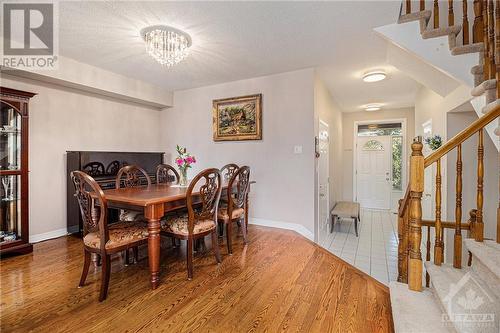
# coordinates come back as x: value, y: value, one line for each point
x: 462, y: 136
x: 436, y: 14
x: 438, y: 245
x: 479, y: 226
x: 446, y: 224
x: 457, y: 248
x: 415, y: 214
x: 422, y: 5
x: 451, y: 14
x: 408, y: 6
x: 478, y: 27
x: 486, y: 61
x: 428, y: 255
x: 497, y: 44
x: 465, y: 24
x: 491, y: 40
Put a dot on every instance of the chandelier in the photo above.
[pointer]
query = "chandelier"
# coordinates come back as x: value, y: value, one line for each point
x: 165, y: 44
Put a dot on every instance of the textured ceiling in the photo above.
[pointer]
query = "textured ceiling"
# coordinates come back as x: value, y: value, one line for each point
x: 238, y: 40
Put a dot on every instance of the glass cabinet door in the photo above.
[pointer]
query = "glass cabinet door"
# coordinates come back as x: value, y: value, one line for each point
x: 10, y: 169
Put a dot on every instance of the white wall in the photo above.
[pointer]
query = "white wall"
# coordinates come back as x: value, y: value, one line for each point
x: 284, y: 192
x: 64, y: 119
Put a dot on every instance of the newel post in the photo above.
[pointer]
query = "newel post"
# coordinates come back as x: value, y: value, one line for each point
x: 415, y: 212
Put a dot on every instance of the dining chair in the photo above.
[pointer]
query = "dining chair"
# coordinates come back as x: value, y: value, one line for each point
x: 94, y: 169
x: 166, y: 173
x: 200, y: 220
x: 228, y: 170
x: 234, y: 211
x: 98, y: 236
x: 127, y: 177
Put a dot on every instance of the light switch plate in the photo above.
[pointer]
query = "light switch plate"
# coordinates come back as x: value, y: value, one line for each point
x: 297, y: 149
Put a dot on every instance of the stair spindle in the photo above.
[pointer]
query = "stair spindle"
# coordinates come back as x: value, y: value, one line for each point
x: 422, y: 5
x: 438, y: 245
x: 428, y: 255
x: 457, y: 250
x: 497, y: 45
x: 486, y: 61
x: 451, y: 14
x: 478, y: 27
x: 465, y: 24
x: 479, y: 226
x: 408, y: 6
x: 491, y: 41
x: 415, y: 213
x: 436, y: 14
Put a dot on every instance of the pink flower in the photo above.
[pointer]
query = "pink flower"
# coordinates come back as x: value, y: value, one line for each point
x: 179, y: 161
x: 194, y: 160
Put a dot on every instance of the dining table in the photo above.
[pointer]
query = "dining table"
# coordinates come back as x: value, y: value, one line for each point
x: 155, y: 201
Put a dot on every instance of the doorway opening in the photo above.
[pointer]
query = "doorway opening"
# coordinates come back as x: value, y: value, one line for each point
x: 379, y: 163
x: 323, y: 181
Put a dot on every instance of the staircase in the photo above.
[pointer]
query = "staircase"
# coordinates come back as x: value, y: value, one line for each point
x: 457, y: 297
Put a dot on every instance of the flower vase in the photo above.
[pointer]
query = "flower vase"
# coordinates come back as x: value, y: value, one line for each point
x: 183, y: 177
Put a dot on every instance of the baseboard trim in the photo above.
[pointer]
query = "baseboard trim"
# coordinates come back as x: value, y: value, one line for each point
x: 283, y: 225
x: 48, y: 235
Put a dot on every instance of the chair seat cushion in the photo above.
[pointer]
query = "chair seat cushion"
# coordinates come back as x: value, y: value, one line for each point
x: 131, y: 215
x: 222, y: 213
x: 120, y: 234
x: 179, y: 225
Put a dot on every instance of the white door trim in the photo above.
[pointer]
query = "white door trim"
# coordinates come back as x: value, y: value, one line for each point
x: 355, y: 150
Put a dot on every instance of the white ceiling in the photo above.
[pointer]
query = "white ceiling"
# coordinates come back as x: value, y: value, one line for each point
x: 238, y: 40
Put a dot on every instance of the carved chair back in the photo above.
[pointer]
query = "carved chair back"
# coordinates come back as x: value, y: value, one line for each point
x: 228, y: 170
x: 93, y: 205
x: 208, y: 199
x: 113, y: 168
x: 237, y: 198
x: 131, y: 175
x: 94, y: 169
x: 167, y: 174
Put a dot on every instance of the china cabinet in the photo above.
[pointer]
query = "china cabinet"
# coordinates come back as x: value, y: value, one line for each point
x: 14, y: 233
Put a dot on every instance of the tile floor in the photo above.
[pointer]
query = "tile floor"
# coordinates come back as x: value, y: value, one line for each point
x: 375, y: 251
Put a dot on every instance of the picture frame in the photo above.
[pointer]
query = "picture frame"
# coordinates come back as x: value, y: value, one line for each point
x: 237, y: 118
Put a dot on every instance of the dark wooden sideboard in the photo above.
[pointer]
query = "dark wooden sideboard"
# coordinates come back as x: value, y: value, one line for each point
x: 103, y: 166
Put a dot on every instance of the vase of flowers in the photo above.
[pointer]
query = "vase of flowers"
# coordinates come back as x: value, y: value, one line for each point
x: 434, y: 142
x: 183, y: 161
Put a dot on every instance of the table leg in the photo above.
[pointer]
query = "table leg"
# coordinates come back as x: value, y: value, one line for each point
x: 153, y: 213
x: 246, y: 212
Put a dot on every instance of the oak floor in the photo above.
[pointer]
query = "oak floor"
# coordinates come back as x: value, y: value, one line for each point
x: 279, y: 282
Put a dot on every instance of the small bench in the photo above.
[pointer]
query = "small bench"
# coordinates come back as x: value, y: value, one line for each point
x: 345, y: 209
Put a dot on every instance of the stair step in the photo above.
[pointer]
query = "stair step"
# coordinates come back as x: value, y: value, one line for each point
x: 488, y: 107
x: 461, y: 291
x: 471, y: 48
x: 478, y: 69
x: 439, y: 32
x: 410, y: 307
x: 486, y: 85
x: 486, y: 262
x: 422, y: 15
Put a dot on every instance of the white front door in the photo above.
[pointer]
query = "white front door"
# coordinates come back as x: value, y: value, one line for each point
x: 323, y: 174
x: 427, y: 198
x: 374, y: 180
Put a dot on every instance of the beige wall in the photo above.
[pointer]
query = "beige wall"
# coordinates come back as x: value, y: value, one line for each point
x: 64, y: 119
x: 348, y: 120
x: 284, y: 193
x: 327, y: 110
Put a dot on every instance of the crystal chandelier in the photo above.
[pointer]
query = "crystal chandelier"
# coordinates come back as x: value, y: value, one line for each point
x: 167, y: 45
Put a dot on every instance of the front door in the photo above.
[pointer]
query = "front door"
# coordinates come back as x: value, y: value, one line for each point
x: 373, y: 178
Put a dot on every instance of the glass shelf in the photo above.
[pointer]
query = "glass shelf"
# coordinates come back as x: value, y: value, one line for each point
x: 10, y: 208
x: 10, y: 138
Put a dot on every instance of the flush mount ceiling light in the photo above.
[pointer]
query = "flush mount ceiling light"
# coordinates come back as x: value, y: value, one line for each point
x: 165, y: 44
x: 374, y: 76
x: 372, y: 107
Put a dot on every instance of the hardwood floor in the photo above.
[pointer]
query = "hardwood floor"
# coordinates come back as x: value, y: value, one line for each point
x: 279, y: 282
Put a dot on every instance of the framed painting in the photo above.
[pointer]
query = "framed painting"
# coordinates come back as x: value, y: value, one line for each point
x: 237, y: 118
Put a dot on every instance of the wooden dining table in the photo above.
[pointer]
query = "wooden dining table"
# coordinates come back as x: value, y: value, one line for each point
x: 155, y: 201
